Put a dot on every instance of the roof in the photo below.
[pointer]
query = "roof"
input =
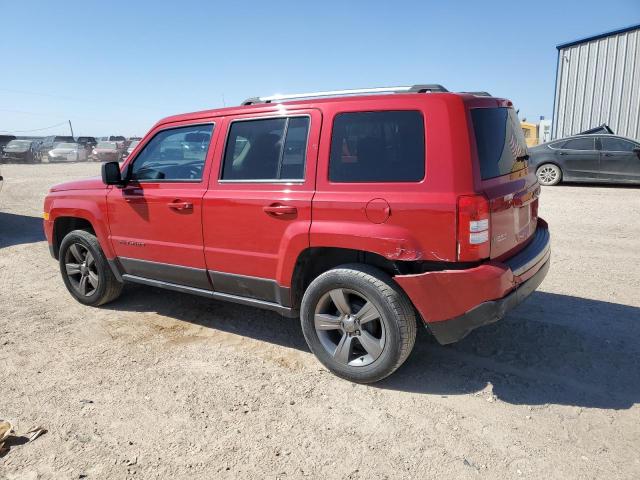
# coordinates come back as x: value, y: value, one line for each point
x: 316, y: 102
x: 596, y: 37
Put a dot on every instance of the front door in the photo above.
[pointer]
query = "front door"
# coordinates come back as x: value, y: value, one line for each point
x: 580, y: 158
x: 156, y: 219
x: 257, y: 211
x: 618, y: 160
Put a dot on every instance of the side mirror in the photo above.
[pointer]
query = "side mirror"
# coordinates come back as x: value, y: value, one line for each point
x: 111, y: 174
x: 637, y: 151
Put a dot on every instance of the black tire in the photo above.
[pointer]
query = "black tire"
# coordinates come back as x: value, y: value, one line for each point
x: 73, y: 246
x: 394, y: 328
x: 549, y: 174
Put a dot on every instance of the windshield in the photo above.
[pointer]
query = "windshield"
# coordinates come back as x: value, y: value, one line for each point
x: 64, y: 145
x: 499, y: 141
x: 18, y: 145
x: 107, y: 145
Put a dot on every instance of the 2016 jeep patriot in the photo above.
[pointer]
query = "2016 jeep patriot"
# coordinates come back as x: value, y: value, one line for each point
x: 356, y: 210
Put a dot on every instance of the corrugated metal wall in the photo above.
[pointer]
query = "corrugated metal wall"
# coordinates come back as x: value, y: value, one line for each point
x: 599, y: 82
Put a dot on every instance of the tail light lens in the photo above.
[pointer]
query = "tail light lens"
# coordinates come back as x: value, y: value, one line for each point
x: 473, y: 228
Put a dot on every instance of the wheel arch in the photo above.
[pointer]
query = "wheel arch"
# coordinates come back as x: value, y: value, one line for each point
x: 63, y: 225
x: 314, y: 261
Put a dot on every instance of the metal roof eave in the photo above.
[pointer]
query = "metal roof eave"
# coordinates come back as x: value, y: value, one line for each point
x: 596, y: 37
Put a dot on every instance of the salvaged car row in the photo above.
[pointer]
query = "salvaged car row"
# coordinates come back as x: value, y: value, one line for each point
x: 62, y: 148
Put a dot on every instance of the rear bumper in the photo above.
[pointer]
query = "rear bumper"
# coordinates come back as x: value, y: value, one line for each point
x: 454, y: 302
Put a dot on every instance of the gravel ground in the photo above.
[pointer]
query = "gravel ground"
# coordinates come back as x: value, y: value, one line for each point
x: 164, y: 385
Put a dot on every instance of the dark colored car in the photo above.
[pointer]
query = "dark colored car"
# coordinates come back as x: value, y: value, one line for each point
x: 587, y: 158
x: 4, y: 139
x: 106, y: 152
x: 87, y: 142
x: 354, y: 213
x: 41, y: 150
x: 18, y: 151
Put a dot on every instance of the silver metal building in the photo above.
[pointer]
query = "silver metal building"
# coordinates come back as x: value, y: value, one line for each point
x: 598, y: 82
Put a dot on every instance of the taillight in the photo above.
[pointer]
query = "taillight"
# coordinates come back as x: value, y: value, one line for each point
x: 473, y: 228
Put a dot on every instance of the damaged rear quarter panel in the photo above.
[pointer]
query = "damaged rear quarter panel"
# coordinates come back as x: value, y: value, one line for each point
x: 421, y: 226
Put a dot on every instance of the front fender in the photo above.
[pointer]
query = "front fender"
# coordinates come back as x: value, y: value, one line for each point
x: 88, y: 206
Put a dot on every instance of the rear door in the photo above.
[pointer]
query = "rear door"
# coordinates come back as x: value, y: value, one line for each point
x: 505, y: 178
x: 257, y: 210
x: 579, y: 158
x: 618, y: 160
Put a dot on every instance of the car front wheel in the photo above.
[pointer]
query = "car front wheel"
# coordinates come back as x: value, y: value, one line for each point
x: 85, y: 270
x: 549, y: 174
x: 358, y: 322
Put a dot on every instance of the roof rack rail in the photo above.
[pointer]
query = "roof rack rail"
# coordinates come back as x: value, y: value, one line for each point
x: 479, y: 94
x: 427, y: 88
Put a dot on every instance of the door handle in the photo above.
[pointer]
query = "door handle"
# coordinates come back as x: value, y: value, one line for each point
x: 277, y: 210
x: 608, y: 154
x: 180, y: 205
x: 562, y: 153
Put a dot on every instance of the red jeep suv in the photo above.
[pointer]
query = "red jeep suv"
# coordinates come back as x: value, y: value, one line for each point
x: 356, y: 210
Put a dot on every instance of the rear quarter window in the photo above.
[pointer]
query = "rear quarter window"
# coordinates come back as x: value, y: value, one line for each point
x: 386, y: 146
x: 499, y: 141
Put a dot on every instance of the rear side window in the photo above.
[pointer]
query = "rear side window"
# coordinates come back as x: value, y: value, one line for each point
x: 580, y: 144
x: 614, y: 144
x: 377, y: 147
x: 499, y: 141
x: 266, y: 149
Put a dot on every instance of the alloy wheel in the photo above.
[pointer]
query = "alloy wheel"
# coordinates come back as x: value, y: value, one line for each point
x: 349, y: 327
x: 548, y: 174
x: 81, y: 270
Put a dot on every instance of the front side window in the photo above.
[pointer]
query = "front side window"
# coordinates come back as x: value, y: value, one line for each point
x: 583, y: 143
x: 266, y: 149
x: 614, y: 144
x: 175, y: 154
x: 386, y: 146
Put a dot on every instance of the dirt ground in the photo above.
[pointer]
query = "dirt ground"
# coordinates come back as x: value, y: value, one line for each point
x: 164, y: 385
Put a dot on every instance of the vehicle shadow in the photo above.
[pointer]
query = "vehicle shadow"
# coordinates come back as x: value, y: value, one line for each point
x: 19, y: 229
x: 627, y: 186
x: 553, y: 349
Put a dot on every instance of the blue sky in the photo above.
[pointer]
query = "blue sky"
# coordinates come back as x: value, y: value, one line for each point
x: 117, y: 67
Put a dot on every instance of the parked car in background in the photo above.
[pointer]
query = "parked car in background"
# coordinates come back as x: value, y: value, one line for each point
x: 66, y: 152
x: 106, y: 152
x: 18, y: 151
x: 4, y: 139
x: 130, y: 148
x: 44, y: 145
x: 587, y: 158
x: 87, y: 142
x: 119, y: 139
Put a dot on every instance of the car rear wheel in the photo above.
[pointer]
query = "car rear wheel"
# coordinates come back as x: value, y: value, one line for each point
x: 85, y: 270
x: 358, y: 322
x: 549, y: 174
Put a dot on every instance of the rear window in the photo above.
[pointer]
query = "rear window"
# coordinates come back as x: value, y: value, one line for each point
x: 383, y: 146
x: 499, y: 141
